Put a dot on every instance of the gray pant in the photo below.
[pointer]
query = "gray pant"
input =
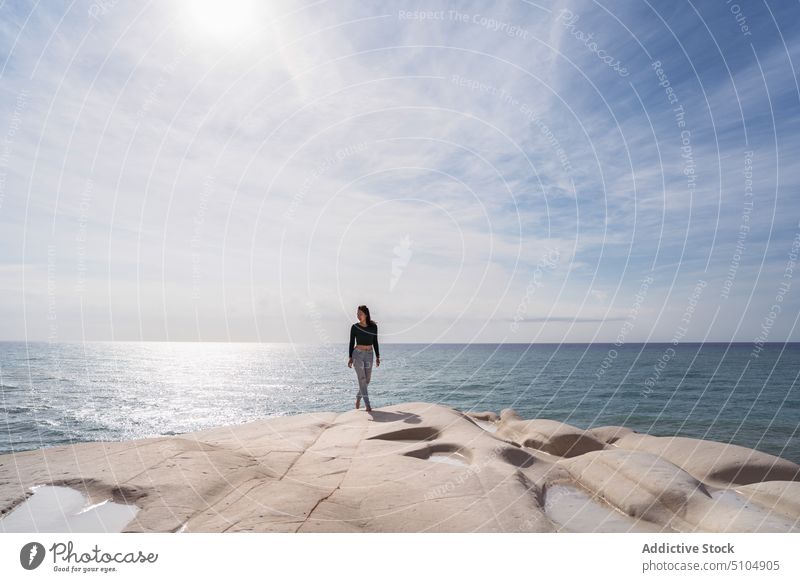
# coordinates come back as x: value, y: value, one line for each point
x: 362, y: 362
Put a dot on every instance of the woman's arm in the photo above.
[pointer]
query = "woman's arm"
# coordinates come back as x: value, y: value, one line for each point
x: 375, y: 343
x: 352, y: 340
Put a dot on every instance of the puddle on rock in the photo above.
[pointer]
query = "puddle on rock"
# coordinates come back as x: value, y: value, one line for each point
x: 456, y: 459
x: 57, y: 509
x: 750, y: 514
x: 486, y: 425
x: 574, y: 510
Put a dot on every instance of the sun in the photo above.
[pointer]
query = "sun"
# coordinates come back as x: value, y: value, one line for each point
x: 225, y: 21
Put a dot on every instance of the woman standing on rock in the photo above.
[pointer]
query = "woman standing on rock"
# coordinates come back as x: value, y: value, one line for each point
x: 363, y: 338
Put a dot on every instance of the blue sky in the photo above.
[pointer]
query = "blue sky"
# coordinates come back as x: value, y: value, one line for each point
x: 474, y: 172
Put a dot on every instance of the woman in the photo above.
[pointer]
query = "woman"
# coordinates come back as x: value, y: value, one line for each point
x: 363, y: 338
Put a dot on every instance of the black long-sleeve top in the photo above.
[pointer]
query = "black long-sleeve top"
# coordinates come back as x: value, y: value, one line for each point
x: 364, y: 336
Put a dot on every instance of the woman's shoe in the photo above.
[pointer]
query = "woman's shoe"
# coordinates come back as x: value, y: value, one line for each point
x: 358, y: 403
x: 369, y: 409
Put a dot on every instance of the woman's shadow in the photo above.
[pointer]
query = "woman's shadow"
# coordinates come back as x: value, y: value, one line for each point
x: 387, y: 416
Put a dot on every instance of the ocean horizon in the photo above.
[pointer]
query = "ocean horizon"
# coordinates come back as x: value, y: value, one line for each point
x: 61, y: 393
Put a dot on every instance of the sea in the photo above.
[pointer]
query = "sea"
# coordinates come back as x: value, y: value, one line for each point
x: 54, y: 394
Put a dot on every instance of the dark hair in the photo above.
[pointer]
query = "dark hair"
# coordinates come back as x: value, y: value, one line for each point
x: 365, y: 309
